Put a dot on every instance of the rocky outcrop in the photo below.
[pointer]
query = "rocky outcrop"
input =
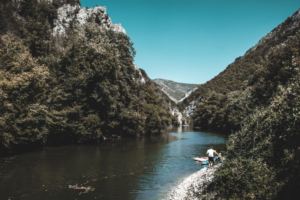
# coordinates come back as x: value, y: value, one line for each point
x: 73, y: 15
x: 178, y: 115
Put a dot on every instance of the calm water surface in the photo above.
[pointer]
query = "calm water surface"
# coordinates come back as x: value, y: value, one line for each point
x: 135, y: 169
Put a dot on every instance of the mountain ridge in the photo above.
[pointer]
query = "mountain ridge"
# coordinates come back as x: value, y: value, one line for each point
x: 176, y: 91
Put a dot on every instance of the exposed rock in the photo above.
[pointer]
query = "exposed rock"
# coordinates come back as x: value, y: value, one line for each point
x: 193, y: 185
x: 142, y: 79
x: 179, y: 116
x: 73, y: 15
x: 188, y: 111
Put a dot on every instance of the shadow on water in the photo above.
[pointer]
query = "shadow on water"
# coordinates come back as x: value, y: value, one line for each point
x: 132, y: 169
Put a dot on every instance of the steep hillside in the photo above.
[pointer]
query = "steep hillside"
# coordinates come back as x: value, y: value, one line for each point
x: 261, y: 109
x: 221, y: 100
x: 67, y: 75
x: 177, y: 92
x: 237, y: 75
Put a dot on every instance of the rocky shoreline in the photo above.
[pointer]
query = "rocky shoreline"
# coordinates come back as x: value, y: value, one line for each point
x: 193, y: 185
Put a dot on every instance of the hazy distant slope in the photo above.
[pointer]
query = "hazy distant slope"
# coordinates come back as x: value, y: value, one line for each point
x: 176, y: 91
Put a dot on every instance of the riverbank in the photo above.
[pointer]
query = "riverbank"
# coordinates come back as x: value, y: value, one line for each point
x: 193, y: 185
x: 144, y: 168
x: 66, y: 140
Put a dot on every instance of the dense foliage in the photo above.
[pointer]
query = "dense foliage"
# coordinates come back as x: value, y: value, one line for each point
x: 270, y: 136
x: 82, y: 87
x: 223, y: 102
x: 263, y: 155
x: 220, y: 112
x: 22, y: 83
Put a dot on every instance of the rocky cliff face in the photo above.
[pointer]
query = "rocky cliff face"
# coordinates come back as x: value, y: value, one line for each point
x: 73, y: 15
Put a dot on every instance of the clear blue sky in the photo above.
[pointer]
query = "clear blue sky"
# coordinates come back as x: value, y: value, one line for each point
x: 193, y: 40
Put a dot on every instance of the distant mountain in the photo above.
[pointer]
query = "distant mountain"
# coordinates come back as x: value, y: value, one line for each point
x: 177, y: 92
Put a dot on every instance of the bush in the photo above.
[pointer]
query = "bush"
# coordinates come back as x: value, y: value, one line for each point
x: 241, y: 178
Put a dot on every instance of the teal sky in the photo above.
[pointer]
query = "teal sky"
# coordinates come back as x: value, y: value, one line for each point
x: 193, y: 40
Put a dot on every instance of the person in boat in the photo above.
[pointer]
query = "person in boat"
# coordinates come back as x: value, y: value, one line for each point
x: 211, y: 155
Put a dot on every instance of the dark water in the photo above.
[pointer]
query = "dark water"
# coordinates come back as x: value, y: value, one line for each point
x: 135, y: 169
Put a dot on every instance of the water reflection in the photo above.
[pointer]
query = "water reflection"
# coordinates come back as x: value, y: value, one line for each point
x: 130, y: 169
x: 176, y: 162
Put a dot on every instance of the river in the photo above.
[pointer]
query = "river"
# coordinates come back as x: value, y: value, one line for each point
x: 143, y: 169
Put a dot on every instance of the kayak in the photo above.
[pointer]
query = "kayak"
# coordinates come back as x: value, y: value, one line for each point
x: 203, y: 160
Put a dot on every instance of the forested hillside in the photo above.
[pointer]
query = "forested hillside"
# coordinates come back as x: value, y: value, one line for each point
x: 223, y: 102
x: 257, y: 100
x: 67, y: 76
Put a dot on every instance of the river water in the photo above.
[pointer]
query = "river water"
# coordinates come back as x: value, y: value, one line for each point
x: 143, y: 169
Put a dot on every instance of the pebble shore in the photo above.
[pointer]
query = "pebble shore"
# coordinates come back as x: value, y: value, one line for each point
x: 193, y: 185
